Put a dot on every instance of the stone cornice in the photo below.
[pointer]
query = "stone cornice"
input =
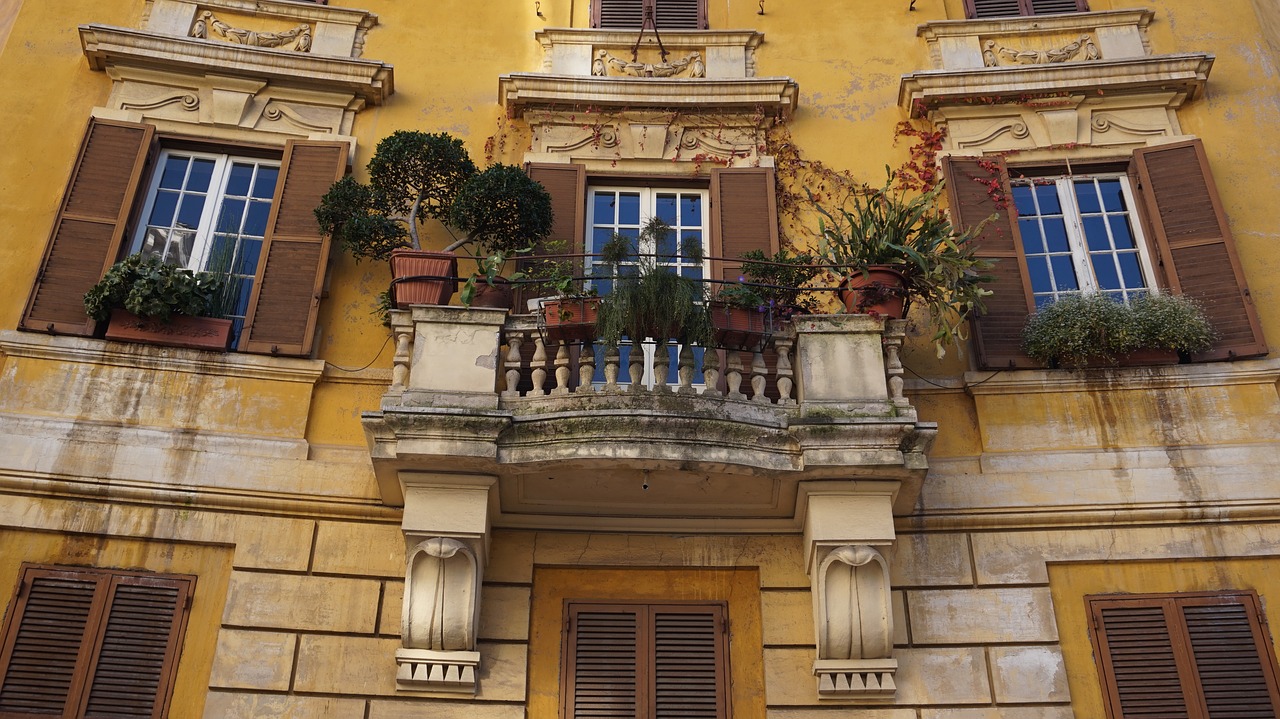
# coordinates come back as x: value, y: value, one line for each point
x: 771, y: 95
x: 1184, y: 73
x: 670, y: 38
x: 306, y: 11
x: 112, y: 46
x: 1210, y: 374
x: 1071, y: 22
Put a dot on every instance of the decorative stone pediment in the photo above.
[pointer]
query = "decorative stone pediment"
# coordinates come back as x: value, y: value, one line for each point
x: 709, y: 70
x: 725, y: 139
x: 241, y: 70
x: 1074, y: 37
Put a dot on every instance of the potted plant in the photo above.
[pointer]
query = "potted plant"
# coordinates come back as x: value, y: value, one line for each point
x: 144, y: 299
x: 415, y: 177
x: 1079, y: 331
x: 768, y: 293
x: 566, y: 309
x: 893, y: 248
x: 649, y: 299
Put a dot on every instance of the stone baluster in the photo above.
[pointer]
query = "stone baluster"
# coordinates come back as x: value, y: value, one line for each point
x: 759, y: 370
x: 404, y: 352
x: 685, y: 371
x: 635, y: 368
x: 515, y: 339
x: 586, y: 368
x: 661, y: 365
x: 612, y: 364
x: 539, y: 366
x: 783, y: 347
x: 562, y: 369
x: 895, y: 332
x: 734, y: 376
x: 711, y: 373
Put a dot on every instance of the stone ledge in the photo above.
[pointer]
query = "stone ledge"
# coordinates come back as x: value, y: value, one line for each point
x: 425, y: 670
x: 1208, y: 374
x: 770, y: 95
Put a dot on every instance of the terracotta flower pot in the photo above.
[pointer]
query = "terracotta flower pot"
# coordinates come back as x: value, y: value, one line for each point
x: 739, y: 328
x: 201, y: 333
x: 570, y: 319
x: 878, y: 292
x: 423, y: 278
x: 499, y: 295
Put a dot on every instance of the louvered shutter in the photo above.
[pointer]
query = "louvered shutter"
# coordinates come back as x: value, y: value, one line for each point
x: 640, y: 661
x: 1014, y: 8
x: 286, y: 291
x: 567, y: 185
x: 998, y: 331
x: 668, y: 14
x: 688, y: 654
x: 90, y: 225
x: 1194, y: 656
x: 744, y: 217
x: 1196, y: 249
x: 92, y: 643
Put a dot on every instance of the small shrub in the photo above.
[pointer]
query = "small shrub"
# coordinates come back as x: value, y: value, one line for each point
x: 1079, y: 328
x: 1173, y: 322
x: 152, y: 289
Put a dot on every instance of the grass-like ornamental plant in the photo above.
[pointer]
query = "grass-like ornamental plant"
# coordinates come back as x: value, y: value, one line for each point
x: 153, y: 289
x: 906, y: 230
x: 1079, y: 330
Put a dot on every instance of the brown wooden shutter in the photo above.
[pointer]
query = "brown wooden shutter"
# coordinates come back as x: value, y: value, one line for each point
x: 681, y: 14
x: 744, y: 217
x: 92, y: 643
x: 286, y: 291
x: 1197, y: 252
x: 567, y: 185
x: 661, y: 661
x: 668, y: 14
x: 90, y: 225
x: 997, y: 332
x: 1014, y: 8
x: 1196, y: 655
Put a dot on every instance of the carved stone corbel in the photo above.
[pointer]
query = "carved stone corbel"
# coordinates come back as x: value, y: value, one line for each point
x: 440, y: 617
x: 846, y: 525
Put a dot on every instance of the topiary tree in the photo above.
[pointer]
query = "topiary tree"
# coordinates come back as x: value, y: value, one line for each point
x: 418, y: 176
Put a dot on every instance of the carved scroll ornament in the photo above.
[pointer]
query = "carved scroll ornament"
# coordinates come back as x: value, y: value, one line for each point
x: 691, y: 64
x: 992, y: 53
x: 854, y: 615
x: 441, y: 597
x: 300, y: 36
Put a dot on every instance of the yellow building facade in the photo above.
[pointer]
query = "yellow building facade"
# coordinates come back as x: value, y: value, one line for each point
x: 449, y: 517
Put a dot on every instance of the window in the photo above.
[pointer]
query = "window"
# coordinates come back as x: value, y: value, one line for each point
x: 88, y: 642
x: 1157, y: 225
x: 181, y: 197
x: 647, y: 661
x: 1013, y: 8
x: 666, y: 14
x: 1195, y: 655
x: 1079, y: 235
x: 210, y: 212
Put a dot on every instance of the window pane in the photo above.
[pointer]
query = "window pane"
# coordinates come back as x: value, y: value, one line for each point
x: 249, y: 251
x: 1055, y: 234
x: 692, y: 271
x: 691, y: 246
x: 255, y: 223
x: 175, y: 171
x: 190, y: 210
x: 265, y: 186
x: 162, y: 211
x: 1112, y: 196
x: 665, y: 209
x: 604, y: 209
x: 1023, y: 201
x: 1064, y: 273
x: 201, y: 173
x: 628, y: 208
x: 1095, y: 233
x: 1047, y: 195
x: 1087, y: 196
x: 1039, y: 270
x: 1131, y: 270
x: 240, y: 178
x: 599, y: 236
x: 1120, y: 233
x: 1032, y: 241
x: 1104, y: 271
x: 667, y: 250
x: 691, y: 210
x: 221, y: 254
x: 230, y: 216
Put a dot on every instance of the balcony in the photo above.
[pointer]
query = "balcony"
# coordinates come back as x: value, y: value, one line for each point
x: 571, y: 442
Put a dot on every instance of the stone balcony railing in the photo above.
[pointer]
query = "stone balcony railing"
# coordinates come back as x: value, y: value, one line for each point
x: 476, y: 391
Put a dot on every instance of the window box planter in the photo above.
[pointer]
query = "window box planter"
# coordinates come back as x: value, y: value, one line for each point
x: 739, y: 328
x: 422, y: 277
x: 878, y: 292
x: 570, y: 319
x: 201, y: 333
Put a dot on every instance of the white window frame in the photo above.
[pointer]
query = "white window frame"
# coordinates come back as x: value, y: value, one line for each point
x: 648, y: 198
x: 1073, y: 220
x: 213, y: 200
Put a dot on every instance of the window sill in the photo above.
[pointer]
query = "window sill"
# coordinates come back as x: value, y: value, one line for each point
x: 1207, y: 374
